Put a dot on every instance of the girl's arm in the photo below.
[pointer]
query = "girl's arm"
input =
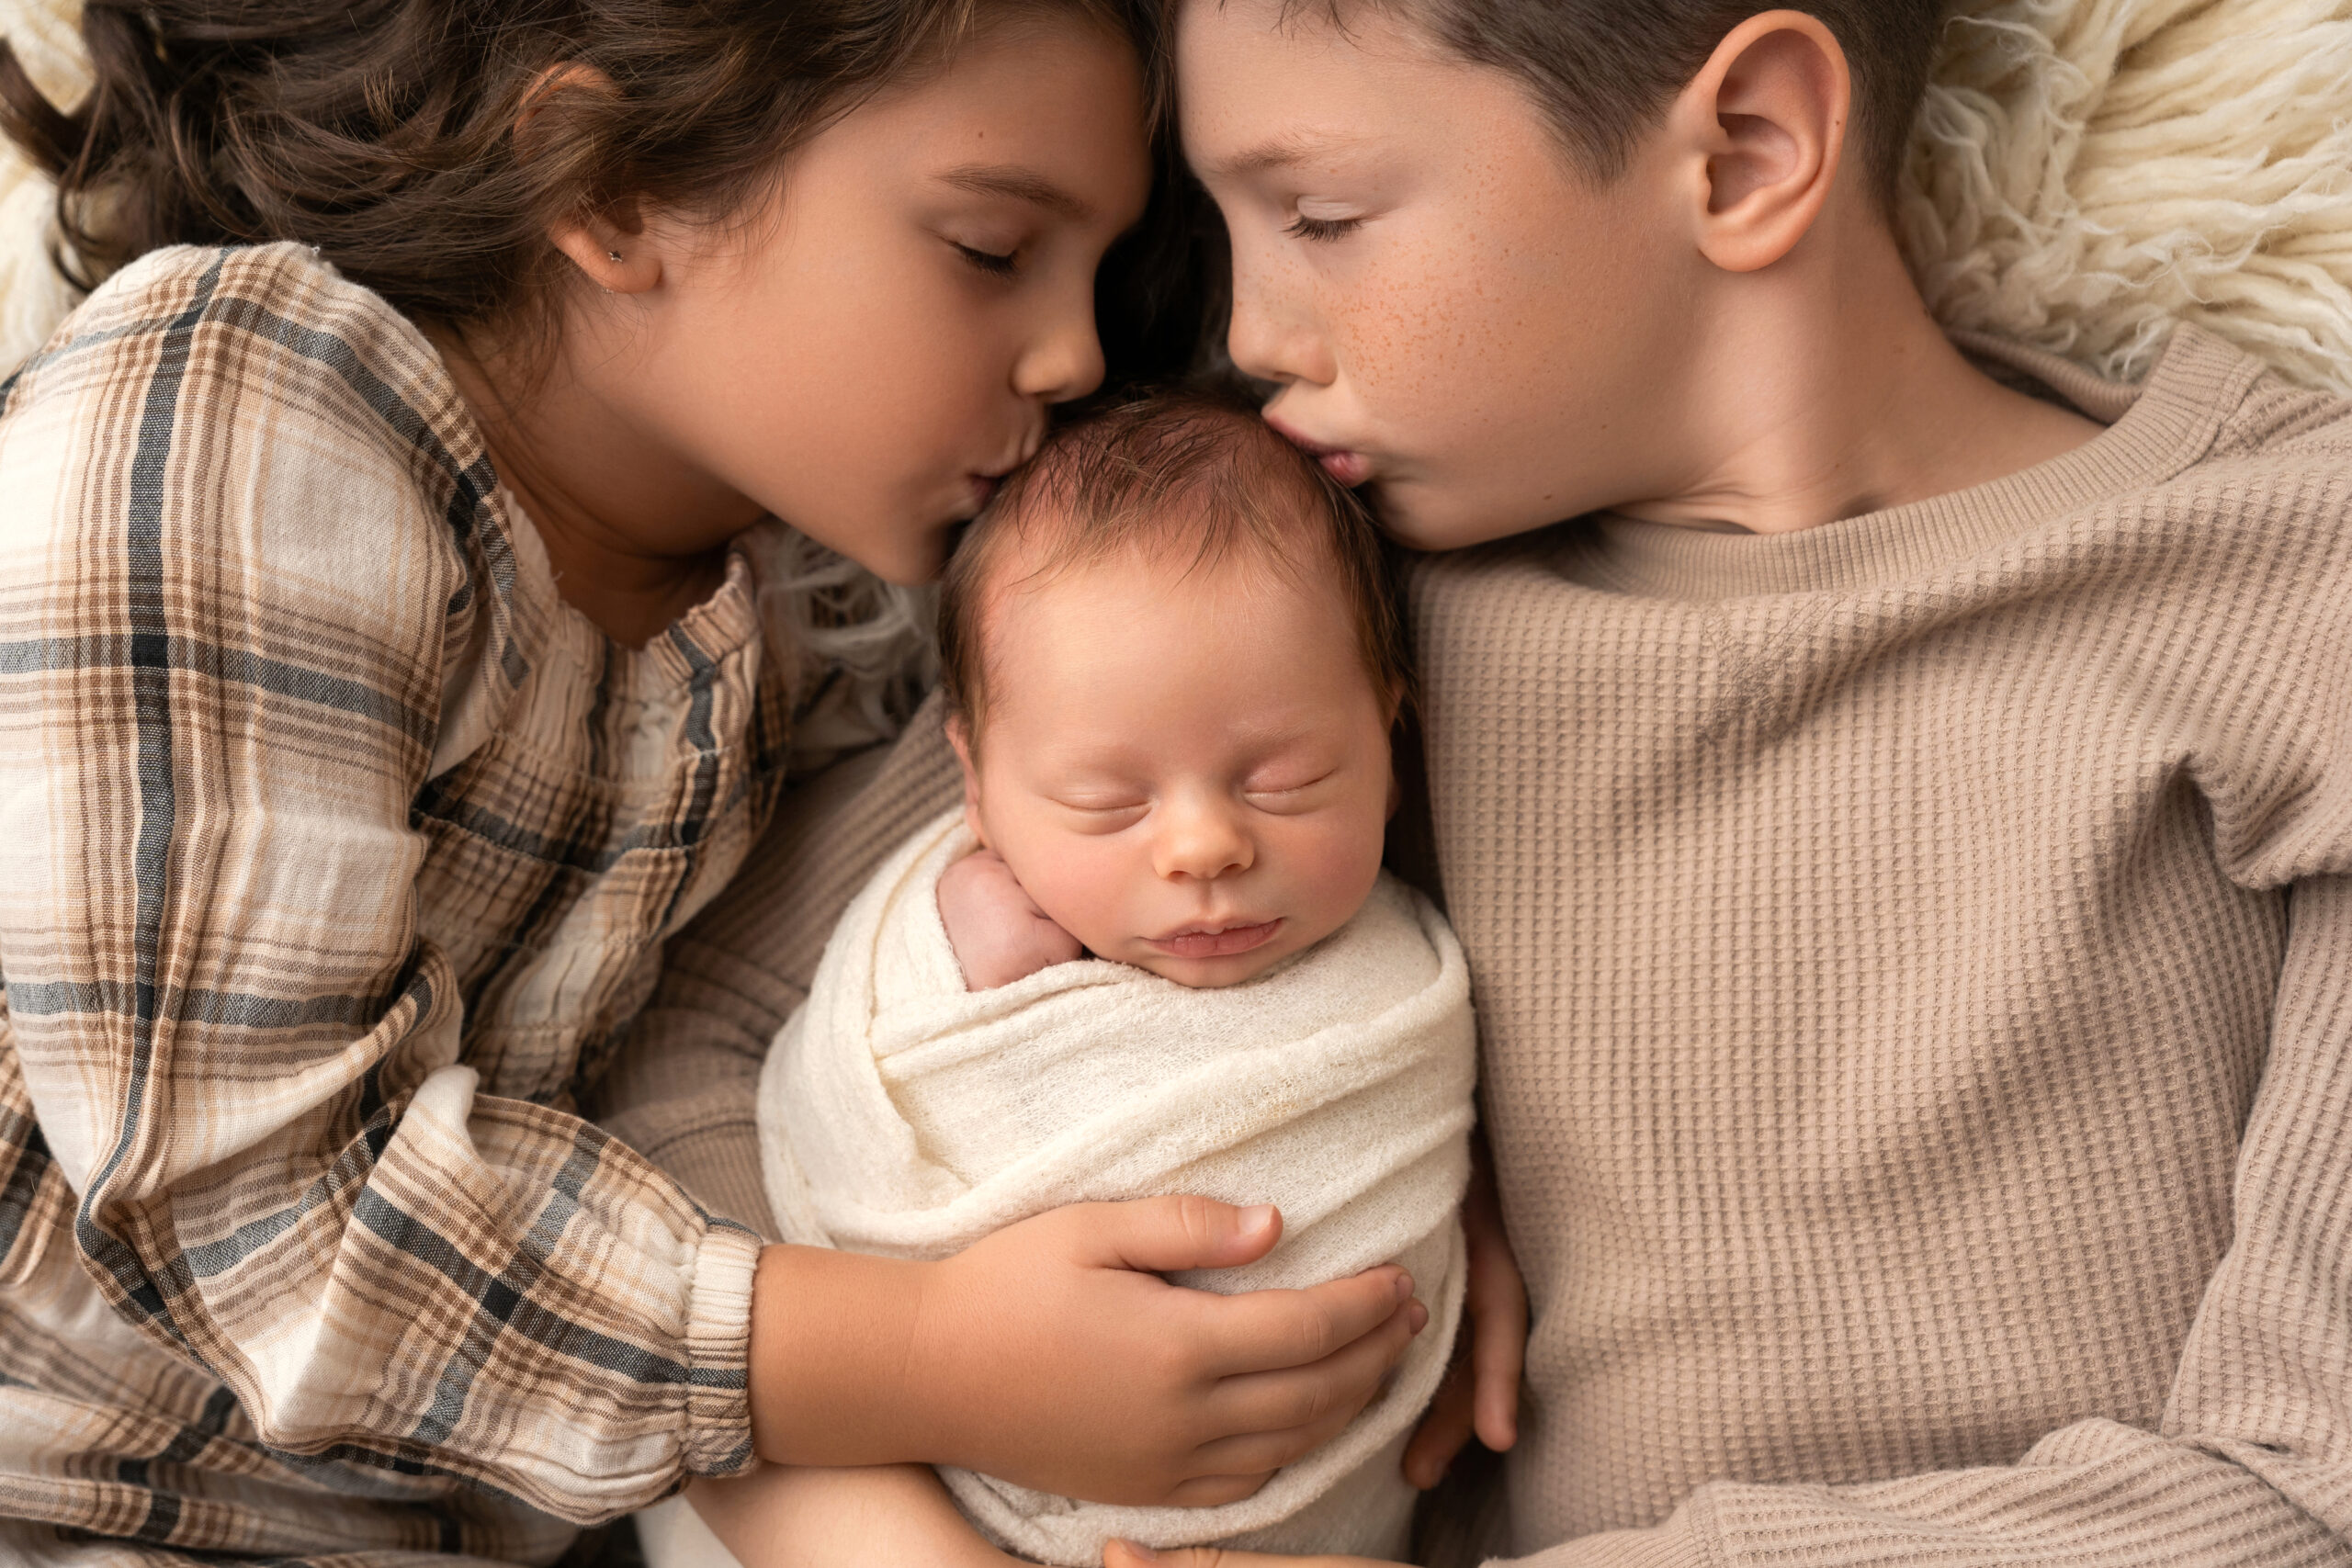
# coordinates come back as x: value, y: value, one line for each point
x: 784, y: 1517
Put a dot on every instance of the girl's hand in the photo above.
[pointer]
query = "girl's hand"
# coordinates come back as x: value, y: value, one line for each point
x: 1051, y: 1355
x: 1481, y: 1388
x: 1125, y: 1554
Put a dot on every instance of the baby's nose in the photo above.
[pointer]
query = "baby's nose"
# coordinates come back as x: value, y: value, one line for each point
x: 1203, y: 845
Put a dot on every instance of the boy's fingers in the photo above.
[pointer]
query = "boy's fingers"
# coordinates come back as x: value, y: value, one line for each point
x: 1444, y: 1428
x: 1271, y: 1418
x: 1269, y: 1330
x: 1498, y: 1309
x: 1498, y: 1354
x: 1158, y: 1235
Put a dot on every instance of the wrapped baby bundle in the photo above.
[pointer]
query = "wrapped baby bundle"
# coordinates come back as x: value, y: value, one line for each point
x: 902, y: 1114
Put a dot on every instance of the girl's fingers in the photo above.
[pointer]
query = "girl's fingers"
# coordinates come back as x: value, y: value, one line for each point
x: 1159, y: 1236
x: 1444, y: 1428
x: 1267, y: 1331
x: 1320, y: 1397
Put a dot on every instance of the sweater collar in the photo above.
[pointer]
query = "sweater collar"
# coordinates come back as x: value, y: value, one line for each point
x: 2154, y: 430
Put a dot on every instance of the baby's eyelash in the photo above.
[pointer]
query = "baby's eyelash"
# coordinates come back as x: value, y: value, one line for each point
x: 995, y: 265
x: 1322, y: 229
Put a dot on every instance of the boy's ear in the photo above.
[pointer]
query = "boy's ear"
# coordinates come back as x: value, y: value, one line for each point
x: 959, y: 735
x: 1765, y: 123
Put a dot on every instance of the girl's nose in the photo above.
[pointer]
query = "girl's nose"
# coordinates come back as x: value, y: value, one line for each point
x: 1200, y: 840
x: 1064, y: 360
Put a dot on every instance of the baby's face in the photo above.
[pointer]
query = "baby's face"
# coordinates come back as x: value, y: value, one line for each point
x: 1188, y: 773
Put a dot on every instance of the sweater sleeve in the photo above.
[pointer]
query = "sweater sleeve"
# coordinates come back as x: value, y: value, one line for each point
x: 2252, y: 1466
x: 224, y: 619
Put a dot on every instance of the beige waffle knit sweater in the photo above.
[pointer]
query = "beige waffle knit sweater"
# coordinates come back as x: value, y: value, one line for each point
x: 1915, y: 961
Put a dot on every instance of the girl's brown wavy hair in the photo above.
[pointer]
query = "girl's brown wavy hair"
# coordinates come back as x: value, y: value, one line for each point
x: 385, y: 132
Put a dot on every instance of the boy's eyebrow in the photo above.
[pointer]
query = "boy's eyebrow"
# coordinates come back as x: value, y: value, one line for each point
x: 1280, y: 151
x: 1022, y: 185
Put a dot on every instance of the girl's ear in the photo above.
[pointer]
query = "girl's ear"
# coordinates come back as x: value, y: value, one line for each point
x: 611, y: 248
x: 1763, y: 127
x: 959, y: 736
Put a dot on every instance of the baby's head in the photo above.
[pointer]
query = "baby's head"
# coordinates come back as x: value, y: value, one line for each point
x: 1172, y: 664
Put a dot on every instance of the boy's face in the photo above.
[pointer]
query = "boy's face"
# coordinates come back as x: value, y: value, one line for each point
x: 1189, y: 772
x: 1457, y: 316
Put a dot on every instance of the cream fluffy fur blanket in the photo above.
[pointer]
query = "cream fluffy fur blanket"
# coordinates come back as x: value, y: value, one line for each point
x: 899, y: 1114
x: 2086, y: 173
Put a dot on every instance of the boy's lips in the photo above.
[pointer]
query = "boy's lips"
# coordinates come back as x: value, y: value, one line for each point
x: 1215, y: 942
x: 1351, y: 468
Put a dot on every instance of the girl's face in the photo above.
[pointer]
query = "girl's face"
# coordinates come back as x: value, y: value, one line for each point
x: 1456, y: 316
x: 866, y: 354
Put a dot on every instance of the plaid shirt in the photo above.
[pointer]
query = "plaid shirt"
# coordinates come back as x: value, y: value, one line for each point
x: 334, y: 851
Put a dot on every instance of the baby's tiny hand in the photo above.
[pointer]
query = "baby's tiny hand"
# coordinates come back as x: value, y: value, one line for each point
x: 999, y: 933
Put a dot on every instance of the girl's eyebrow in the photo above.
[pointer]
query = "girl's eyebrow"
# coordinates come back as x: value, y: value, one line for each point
x: 1022, y: 185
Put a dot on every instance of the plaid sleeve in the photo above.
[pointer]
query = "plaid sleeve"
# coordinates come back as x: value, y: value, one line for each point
x: 231, y: 579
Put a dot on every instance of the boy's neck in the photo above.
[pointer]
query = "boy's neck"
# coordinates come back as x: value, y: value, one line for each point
x: 1823, y: 390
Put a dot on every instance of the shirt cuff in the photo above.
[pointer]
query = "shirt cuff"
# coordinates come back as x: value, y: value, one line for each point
x: 718, y: 1349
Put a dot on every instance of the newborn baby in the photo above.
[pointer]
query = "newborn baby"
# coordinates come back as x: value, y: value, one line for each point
x: 1155, y: 952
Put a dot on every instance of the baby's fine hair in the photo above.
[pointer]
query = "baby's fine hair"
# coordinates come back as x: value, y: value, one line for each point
x: 1193, y: 478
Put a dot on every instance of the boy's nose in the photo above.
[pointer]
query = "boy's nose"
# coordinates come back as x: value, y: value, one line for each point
x: 1269, y: 334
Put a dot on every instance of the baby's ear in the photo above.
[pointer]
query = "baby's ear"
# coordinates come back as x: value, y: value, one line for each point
x: 959, y: 735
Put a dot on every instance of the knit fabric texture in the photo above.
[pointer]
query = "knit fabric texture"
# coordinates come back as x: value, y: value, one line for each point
x: 1914, y: 958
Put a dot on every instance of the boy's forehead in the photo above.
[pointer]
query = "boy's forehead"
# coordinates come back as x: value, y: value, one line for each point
x: 1262, y: 85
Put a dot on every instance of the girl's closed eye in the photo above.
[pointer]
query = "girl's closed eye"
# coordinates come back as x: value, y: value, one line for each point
x: 996, y: 264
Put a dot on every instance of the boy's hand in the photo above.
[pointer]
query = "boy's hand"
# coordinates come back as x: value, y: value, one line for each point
x: 1051, y: 1355
x: 999, y: 933
x: 1481, y: 1388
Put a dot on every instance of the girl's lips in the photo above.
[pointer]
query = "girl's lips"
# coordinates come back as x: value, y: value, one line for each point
x: 1223, y: 942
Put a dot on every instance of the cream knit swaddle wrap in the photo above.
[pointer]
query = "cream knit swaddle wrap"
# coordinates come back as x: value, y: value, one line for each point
x: 902, y: 1114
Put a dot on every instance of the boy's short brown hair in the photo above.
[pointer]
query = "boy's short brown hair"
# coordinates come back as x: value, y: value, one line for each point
x: 1605, y: 70
x: 1190, y: 477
